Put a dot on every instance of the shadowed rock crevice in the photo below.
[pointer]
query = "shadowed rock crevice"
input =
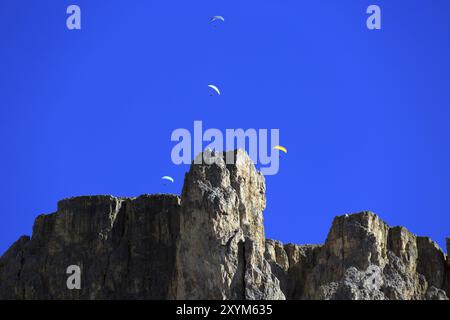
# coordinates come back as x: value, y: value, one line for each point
x: 210, y: 244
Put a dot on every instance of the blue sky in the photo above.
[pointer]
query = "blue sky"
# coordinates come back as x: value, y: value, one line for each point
x: 364, y: 114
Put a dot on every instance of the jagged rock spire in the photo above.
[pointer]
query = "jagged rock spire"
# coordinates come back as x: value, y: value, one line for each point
x: 221, y: 248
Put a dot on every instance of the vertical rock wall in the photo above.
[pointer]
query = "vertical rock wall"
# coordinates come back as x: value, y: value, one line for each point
x: 210, y: 244
x: 221, y: 248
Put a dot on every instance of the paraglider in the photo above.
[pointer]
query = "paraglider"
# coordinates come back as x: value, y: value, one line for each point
x: 214, y: 88
x: 168, y: 178
x: 280, y: 148
x: 217, y: 18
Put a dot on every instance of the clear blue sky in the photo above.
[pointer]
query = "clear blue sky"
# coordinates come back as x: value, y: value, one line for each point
x: 365, y: 114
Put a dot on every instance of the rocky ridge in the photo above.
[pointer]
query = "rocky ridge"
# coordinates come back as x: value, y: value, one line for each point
x: 210, y: 244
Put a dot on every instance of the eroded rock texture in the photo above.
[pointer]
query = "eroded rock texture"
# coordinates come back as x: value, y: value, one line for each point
x: 124, y: 247
x: 209, y: 244
x: 221, y: 247
x: 363, y: 258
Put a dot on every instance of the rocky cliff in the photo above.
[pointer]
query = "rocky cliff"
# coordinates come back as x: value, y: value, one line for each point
x: 209, y: 244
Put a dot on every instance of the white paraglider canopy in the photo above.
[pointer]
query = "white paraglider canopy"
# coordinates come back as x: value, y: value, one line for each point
x: 168, y: 179
x: 217, y: 18
x: 214, y: 88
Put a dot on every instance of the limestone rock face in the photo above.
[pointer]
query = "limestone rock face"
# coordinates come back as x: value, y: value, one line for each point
x: 292, y: 264
x: 114, y: 241
x: 221, y: 251
x: 447, y: 272
x: 448, y: 251
x: 210, y: 244
x: 431, y: 262
x: 363, y: 259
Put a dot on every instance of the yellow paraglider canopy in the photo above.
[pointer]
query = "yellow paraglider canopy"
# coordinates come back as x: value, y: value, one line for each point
x: 280, y: 148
